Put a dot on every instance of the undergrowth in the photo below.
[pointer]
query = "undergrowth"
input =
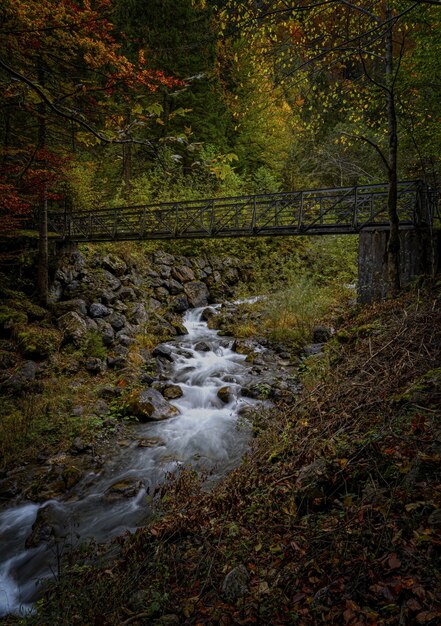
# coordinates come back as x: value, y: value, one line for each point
x: 334, y: 515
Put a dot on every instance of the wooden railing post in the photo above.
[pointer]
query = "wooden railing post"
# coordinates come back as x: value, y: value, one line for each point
x: 253, y: 218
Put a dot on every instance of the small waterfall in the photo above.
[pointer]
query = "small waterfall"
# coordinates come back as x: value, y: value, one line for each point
x: 204, y: 434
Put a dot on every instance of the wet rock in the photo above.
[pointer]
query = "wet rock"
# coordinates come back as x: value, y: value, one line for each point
x: 202, y: 346
x: 163, y: 351
x: 321, y: 334
x: 128, y: 488
x: 197, y: 293
x: 77, y: 305
x: 150, y: 405
x: 150, y: 442
x: 95, y: 365
x: 98, y: 310
x: 179, y: 304
x: 225, y: 394
x: 208, y: 314
x: 171, y: 392
x: 73, y: 327
x: 244, y: 346
x: 117, y: 321
x: 71, y: 475
x: 179, y: 328
x: 235, y: 583
x: 45, y: 527
x: 114, y: 264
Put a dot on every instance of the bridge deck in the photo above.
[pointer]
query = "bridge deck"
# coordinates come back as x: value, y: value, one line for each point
x: 346, y: 210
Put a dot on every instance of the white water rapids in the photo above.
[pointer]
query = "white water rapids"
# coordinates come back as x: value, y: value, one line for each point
x: 204, y: 434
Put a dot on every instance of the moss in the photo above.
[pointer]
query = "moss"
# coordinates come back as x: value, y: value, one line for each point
x: 11, y: 317
x: 38, y: 342
x: 426, y: 388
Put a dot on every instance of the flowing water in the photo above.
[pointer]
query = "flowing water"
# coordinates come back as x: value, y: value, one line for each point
x: 205, y: 434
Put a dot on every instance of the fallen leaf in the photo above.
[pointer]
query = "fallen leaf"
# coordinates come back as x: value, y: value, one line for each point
x: 393, y: 561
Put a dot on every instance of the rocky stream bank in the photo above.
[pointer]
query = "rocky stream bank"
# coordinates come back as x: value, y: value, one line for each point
x: 115, y: 335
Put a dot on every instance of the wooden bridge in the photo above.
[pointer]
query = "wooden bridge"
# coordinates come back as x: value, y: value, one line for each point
x: 345, y: 210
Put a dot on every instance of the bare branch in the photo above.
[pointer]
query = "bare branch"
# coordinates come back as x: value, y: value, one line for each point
x: 373, y: 144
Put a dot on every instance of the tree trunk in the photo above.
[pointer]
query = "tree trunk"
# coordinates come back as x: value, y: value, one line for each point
x: 43, y: 248
x: 393, y: 246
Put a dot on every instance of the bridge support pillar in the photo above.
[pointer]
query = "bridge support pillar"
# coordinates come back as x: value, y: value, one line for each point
x: 420, y: 254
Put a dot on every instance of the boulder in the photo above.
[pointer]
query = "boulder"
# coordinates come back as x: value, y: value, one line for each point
x: 235, y: 583
x: 163, y: 351
x: 117, y: 321
x: 179, y: 304
x: 94, y: 365
x: 183, y: 274
x: 127, y: 294
x: 98, y: 310
x: 45, y: 527
x: 164, y: 271
x: 109, y: 280
x: 128, y: 488
x: 312, y: 349
x: 106, y: 332
x: 171, y: 392
x: 137, y: 313
x: 154, y: 304
x: 73, y: 327
x: 244, y: 346
x: 208, y: 314
x: 22, y: 379
x: 150, y: 405
x: 163, y: 258
x: 77, y: 305
x: 224, y: 394
x: 114, y: 264
x: 173, y: 286
x: 38, y: 342
x: 202, y: 346
x: 197, y: 293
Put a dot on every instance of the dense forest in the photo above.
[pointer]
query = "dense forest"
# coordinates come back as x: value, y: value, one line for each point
x: 216, y: 431
x: 114, y: 102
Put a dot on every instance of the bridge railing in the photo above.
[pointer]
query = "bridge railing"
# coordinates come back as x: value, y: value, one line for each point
x: 314, y: 211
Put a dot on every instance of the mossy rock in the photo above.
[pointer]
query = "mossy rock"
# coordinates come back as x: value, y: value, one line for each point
x: 33, y: 311
x: 11, y: 317
x: 37, y: 342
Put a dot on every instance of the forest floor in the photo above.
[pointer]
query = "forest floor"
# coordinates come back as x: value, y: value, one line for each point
x: 333, y: 518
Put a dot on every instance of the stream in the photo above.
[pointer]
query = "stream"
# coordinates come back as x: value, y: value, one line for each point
x: 205, y: 434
